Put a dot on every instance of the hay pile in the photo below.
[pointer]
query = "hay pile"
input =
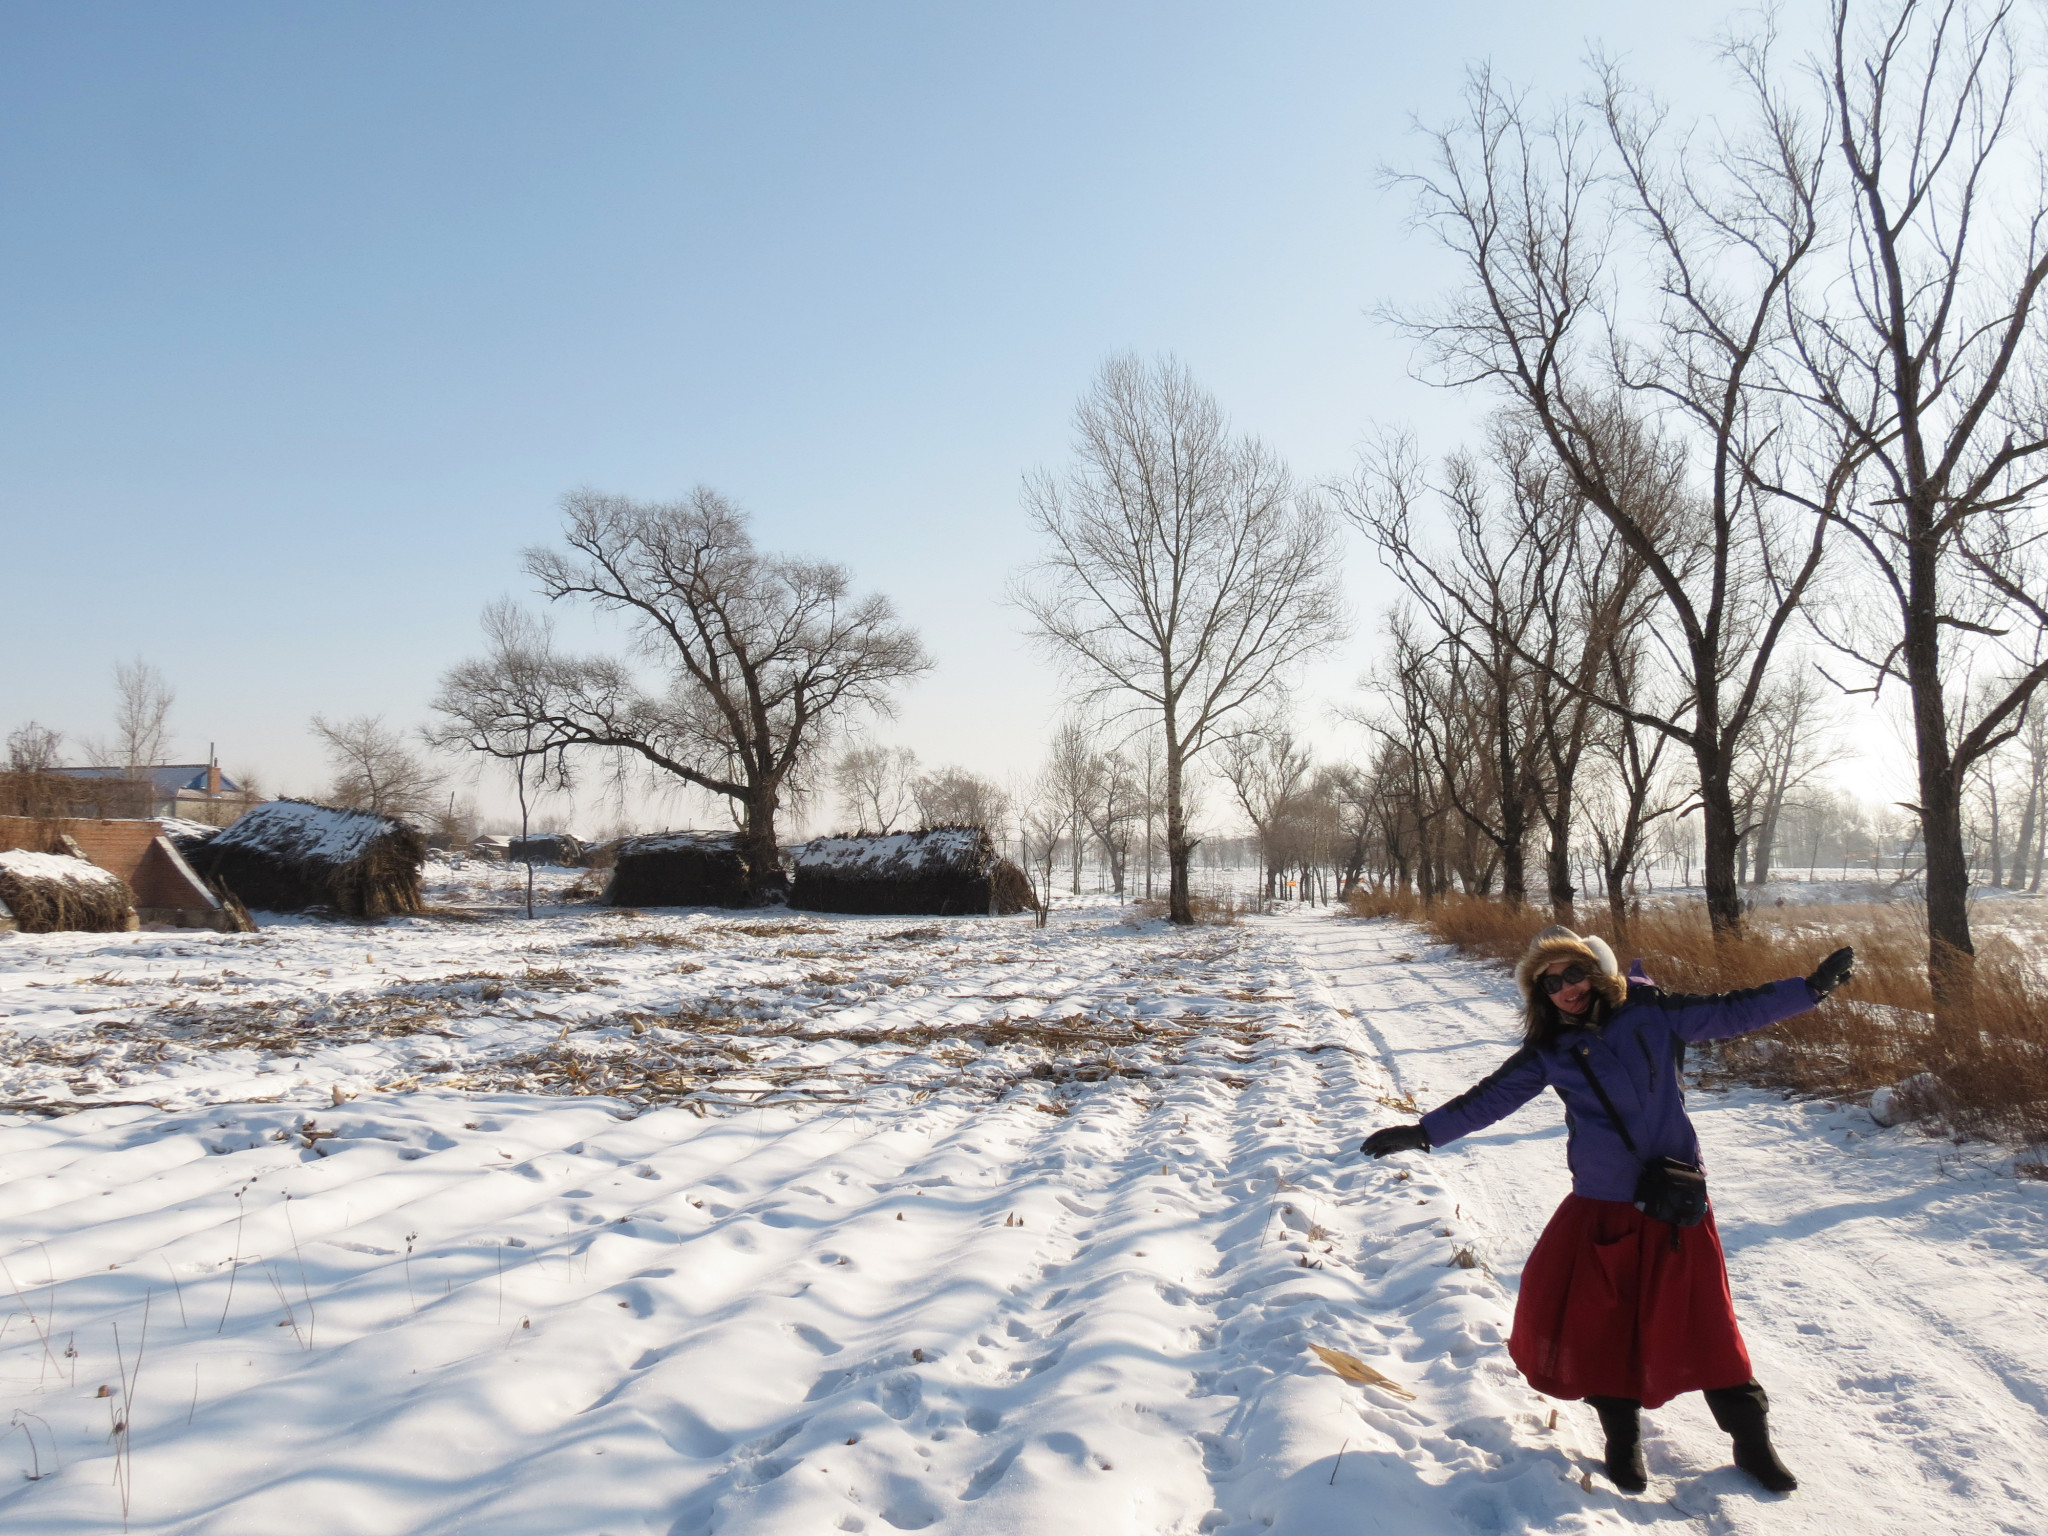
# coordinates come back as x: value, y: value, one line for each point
x: 547, y: 848
x: 291, y: 855
x: 679, y: 869
x: 52, y: 892
x: 943, y: 872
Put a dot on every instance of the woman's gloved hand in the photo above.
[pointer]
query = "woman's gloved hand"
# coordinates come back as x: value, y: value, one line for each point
x: 1832, y: 972
x: 1396, y: 1138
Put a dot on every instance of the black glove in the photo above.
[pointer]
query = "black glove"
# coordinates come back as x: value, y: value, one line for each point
x: 1396, y: 1138
x: 1832, y: 972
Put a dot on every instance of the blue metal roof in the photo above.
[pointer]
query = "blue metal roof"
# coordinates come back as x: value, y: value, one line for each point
x: 168, y: 778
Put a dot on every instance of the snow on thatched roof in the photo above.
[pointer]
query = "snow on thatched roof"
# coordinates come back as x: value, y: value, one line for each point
x: 46, y: 892
x: 947, y: 871
x: 182, y: 829
x: 61, y: 868
x: 897, y: 855
x: 288, y: 855
x: 298, y: 830
x: 680, y: 842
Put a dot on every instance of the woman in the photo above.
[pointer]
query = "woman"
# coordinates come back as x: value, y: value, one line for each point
x: 1618, y: 1306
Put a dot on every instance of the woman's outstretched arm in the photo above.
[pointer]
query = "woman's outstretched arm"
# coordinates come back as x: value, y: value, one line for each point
x: 1494, y: 1097
x: 1720, y: 1015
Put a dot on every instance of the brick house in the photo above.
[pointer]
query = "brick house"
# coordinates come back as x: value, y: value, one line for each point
x: 193, y: 791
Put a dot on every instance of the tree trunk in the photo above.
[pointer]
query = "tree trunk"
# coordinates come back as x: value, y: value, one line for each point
x: 1558, y: 864
x: 1179, y: 851
x: 1720, y: 845
x: 1997, y: 848
x: 2024, y: 843
x: 1950, y: 953
x: 757, y: 844
x: 1766, y: 838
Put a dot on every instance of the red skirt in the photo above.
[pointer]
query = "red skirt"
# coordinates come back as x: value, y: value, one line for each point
x: 1609, y: 1309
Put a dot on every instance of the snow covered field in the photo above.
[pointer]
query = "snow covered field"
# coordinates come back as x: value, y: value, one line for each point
x: 680, y: 1223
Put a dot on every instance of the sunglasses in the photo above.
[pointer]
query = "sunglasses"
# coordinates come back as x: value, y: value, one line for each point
x: 1570, y: 976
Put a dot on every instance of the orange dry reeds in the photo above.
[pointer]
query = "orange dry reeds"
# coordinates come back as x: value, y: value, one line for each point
x: 1990, y: 1053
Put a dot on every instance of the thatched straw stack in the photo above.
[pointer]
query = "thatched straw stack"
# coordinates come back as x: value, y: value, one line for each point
x: 944, y: 872
x: 547, y: 848
x: 291, y: 855
x: 679, y: 869
x: 52, y: 892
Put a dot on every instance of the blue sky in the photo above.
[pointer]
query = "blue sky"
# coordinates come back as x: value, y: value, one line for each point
x: 312, y: 311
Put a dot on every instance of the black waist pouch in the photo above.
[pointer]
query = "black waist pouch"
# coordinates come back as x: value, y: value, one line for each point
x: 1669, y: 1189
x: 1672, y: 1190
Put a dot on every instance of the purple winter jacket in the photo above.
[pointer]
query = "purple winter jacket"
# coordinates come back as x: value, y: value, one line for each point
x: 1635, y: 1054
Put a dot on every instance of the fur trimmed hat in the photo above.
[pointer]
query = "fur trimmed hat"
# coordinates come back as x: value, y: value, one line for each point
x: 1560, y: 943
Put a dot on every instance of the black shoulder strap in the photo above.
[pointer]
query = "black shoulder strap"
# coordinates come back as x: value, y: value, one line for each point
x: 1586, y: 1066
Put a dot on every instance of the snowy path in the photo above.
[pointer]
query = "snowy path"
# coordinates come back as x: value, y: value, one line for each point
x: 965, y: 1303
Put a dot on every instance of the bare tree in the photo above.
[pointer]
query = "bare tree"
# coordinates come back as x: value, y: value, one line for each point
x: 504, y: 704
x: 1183, y: 576
x: 1491, y: 599
x: 1267, y: 772
x: 1073, y: 771
x: 1790, y: 746
x: 1637, y: 790
x: 758, y: 658
x: 2033, y: 834
x: 956, y: 797
x: 1114, y: 811
x: 1664, y: 413
x: 1927, y: 349
x: 877, y: 784
x: 142, y: 718
x: 1041, y: 829
x: 32, y: 748
x: 374, y: 769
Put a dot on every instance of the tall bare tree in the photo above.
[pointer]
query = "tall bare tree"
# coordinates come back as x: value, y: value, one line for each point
x: 1791, y: 746
x: 1267, y: 770
x: 877, y: 784
x: 1926, y: 346
x: 375, y: 769
x: 1115, y: 810
x: 2033, y: 834
x: 142, y: 719
x: 1073, y: 773
x: 1184, y: 574
x: 757, y: 658
x: 957, y: 797
x: 1627, y: 296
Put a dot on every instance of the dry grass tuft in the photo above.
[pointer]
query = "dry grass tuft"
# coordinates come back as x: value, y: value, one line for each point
x: 1208, y: 911
x: 1991, y: 1053
x: 650, y: 940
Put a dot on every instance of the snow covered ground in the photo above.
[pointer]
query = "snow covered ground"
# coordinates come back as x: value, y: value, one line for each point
x: 695, y: 1222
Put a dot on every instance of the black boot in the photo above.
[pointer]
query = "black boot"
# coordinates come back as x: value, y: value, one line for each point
x: 1621, y: 1417
x: 1745, y: 1412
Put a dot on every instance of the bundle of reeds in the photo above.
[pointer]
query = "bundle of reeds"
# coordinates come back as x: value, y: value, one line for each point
x: 54, y: 892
